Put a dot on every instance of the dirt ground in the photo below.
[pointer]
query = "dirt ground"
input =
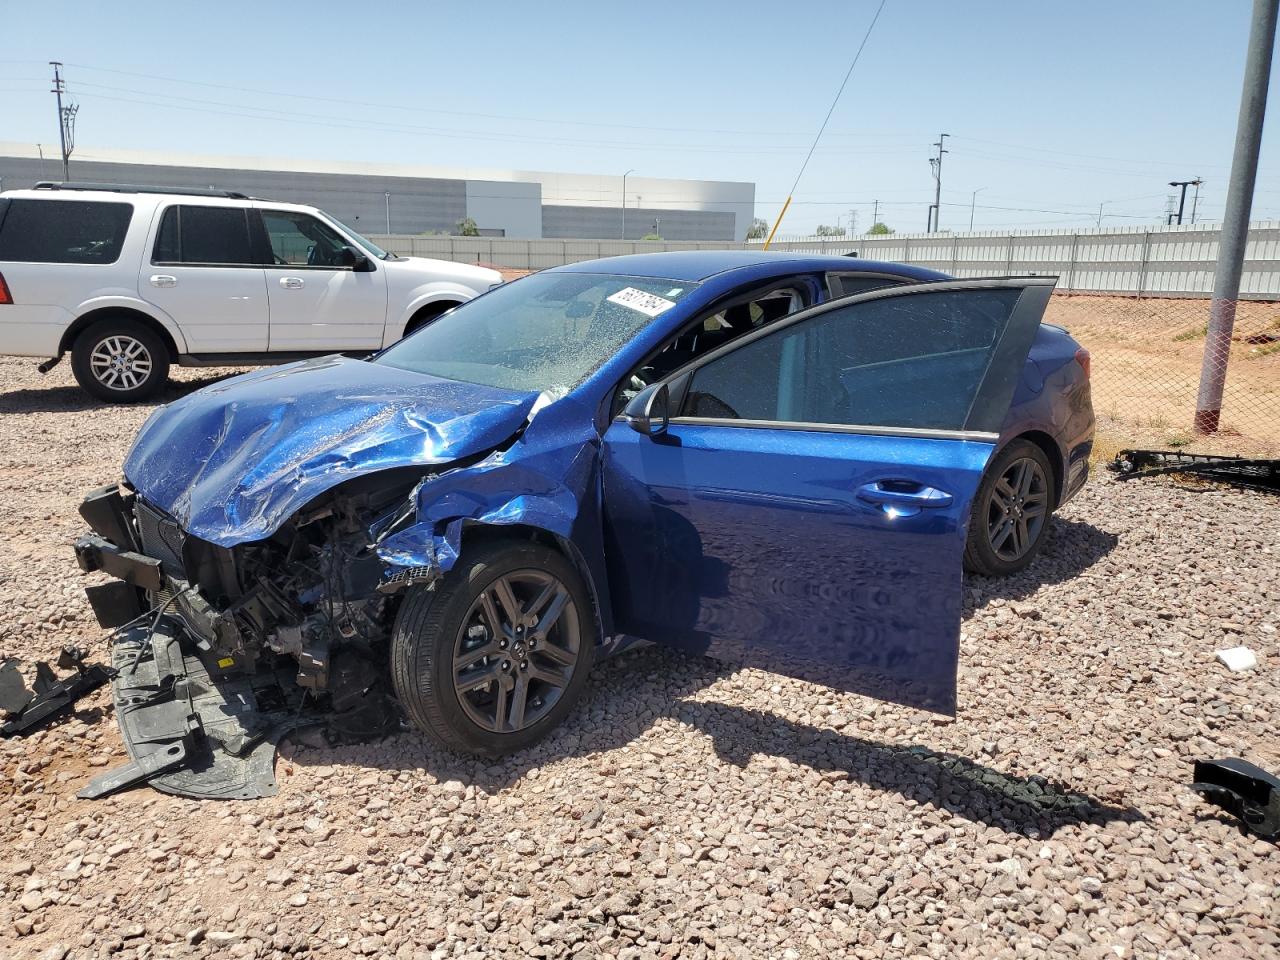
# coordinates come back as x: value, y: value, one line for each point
x: 686, y: 809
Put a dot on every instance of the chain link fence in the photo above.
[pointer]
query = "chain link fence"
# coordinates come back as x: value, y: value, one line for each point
x: 1147, y: 355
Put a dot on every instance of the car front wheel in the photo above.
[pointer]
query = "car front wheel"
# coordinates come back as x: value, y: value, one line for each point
x: 495, y: 656
x: 120, y: 361
x: 1010, y: 511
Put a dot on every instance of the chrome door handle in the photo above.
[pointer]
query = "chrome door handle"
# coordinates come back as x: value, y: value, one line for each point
x: 291, y: 283
x: 163, y: 280
x: 903, y: 497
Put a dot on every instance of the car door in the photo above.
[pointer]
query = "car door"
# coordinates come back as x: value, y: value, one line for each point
x: 804, y: 508
x: 204, y: 274
x: 317, y: 301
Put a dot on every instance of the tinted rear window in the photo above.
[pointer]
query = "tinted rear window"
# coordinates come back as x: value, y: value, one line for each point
x: 63, y: 231
x: 193, y: 234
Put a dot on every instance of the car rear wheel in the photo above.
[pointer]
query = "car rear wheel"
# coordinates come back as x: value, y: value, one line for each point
x: 495, y: 656
x: 120, y: 361
x: 1010, y: 511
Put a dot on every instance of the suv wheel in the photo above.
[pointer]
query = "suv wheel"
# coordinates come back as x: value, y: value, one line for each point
x: 495, y: 656
x: 120, y: 361
x: 1010, y: 511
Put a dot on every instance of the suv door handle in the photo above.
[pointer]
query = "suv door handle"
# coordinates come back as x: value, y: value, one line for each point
x: 163, y: 280
x: 903, y: 497
x: 291, y: 283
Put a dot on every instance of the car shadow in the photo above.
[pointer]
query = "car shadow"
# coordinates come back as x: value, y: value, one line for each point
x: 71, y: 399
x: 1070, y: 548
x: 629, y: 693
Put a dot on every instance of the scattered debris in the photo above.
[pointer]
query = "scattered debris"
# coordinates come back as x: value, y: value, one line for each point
x: 51, y: 697
x: 1243, y: 790
x: 1238, y: 659
x: 1261, y: 475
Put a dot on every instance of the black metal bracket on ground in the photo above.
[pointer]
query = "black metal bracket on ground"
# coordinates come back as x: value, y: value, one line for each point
x: 1243, y: 790
x: 137, y: 771
x: 50, y: 697
x: 1261, y: 475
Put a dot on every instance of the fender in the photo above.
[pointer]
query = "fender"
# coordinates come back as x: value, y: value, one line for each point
x: 123, y: 300
x: 425, y: 295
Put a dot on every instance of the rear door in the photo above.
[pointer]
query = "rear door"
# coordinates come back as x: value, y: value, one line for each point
x: 202, y: 271
x: 805, y: 509
x: 316, y: 303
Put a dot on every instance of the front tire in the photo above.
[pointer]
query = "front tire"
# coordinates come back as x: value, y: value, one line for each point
x: 120, y: 361
x: 1011, y: 511
x: 495, y: 656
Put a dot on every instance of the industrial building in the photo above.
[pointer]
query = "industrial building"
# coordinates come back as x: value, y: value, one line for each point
x: 412, y: 199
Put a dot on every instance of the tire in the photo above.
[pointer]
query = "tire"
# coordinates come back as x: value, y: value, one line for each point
x: 120, y: 360
x: 443, y: 642
x: 1006, y: 532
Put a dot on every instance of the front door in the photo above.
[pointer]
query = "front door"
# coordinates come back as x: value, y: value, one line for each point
x: 805, y: 509
x: 204, y: 273
x: 316, y: 302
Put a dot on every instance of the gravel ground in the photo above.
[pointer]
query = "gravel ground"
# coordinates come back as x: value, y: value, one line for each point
x: 687, y: 809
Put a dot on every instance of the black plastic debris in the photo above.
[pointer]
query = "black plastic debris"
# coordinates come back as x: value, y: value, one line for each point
x: 50, y: 697
x: 1261, y: 475
x: 1243, y: 790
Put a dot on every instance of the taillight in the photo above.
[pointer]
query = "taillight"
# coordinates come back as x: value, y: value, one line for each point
x: 5, y: 295
x: 1082, y: 358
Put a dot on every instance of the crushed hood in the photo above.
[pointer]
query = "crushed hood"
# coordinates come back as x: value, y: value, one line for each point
x: 234, y: 461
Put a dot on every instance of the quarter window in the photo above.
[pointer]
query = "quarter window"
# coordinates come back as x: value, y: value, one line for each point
x: 204, y: 235
x: 302, y: 240
x: 904, y: 361
x: 63, y: 231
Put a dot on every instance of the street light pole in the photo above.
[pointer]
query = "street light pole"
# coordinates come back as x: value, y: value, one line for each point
x: 387, y: 197
x: 972, y: 202
x: 624, y: 202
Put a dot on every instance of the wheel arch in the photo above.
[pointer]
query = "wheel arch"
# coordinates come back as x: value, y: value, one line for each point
x: 1053, y: 453
x: 428, y: 312
x: 117, y: 311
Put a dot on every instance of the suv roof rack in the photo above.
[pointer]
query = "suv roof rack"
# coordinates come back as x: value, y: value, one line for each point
x: 135, y: 188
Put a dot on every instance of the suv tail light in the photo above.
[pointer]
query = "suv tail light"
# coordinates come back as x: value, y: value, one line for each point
x: 1082, y: 358
x: 5, y: 295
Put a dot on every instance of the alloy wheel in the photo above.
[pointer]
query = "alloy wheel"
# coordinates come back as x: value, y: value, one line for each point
x: 516, y: 651
x: 1018, y: 509
x: 120, y: 362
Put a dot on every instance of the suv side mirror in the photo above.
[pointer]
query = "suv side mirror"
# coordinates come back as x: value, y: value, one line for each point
x: 349, y: 256
x: 649, y: 410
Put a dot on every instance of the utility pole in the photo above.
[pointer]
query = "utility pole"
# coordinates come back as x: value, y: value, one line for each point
x: 1235, y: 221
x: 66, y: 119
x: 936, y: 163
x: 875, y: 212
x: 1195, y: 198
x: 853, y: 221
x: 1182, y: 199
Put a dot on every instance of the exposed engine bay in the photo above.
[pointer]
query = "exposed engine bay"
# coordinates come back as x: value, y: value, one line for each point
x: 225, y: 650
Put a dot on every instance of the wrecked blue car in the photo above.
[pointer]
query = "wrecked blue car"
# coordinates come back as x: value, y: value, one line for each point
x: 773, y: 460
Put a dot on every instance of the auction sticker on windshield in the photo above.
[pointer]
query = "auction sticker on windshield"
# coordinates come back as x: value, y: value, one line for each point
x: 650, y: 304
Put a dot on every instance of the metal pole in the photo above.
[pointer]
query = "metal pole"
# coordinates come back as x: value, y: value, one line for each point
x: 1195, y: 198
x: 387, y: 197
x: 1235, y: 222
x: 937, y: 176
x: 62, y: 123
x: 624, y: 203
x: 972, y: 201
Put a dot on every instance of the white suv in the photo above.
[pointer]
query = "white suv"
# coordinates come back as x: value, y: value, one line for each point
x: 131, y: 279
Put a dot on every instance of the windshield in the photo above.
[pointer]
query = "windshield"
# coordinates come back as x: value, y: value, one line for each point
x: 369, y: 245
x: 547, y: 331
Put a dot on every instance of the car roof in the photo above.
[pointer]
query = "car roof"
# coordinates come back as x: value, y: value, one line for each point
x: 698, y: 265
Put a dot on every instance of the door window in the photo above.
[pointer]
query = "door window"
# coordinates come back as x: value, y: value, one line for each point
x: 914, y: 361
x: 63, y: 231
x: 848, y: 284
x: 216, y: 236
x: 298, y: 239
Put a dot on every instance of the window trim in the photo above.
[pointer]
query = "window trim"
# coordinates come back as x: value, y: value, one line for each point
x: 159, y: 223
x: 678, y: 387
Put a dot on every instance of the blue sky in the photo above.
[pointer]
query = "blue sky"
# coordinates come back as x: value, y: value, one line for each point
x: 1053, y: 107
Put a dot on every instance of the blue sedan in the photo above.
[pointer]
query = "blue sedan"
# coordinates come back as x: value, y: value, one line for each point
x: 776, y: 460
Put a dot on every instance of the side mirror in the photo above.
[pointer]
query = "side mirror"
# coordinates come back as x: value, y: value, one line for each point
x: 649, y: 410
x: 355, y: 259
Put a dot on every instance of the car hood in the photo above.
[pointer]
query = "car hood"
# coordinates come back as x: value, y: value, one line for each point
x: 234, y: 461
x: 482, y: 278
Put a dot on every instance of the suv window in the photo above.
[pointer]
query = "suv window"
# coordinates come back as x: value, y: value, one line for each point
x: 204, y: 235
x: 63, y: 231
x: 300, y: 239
x: 913, y: 361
